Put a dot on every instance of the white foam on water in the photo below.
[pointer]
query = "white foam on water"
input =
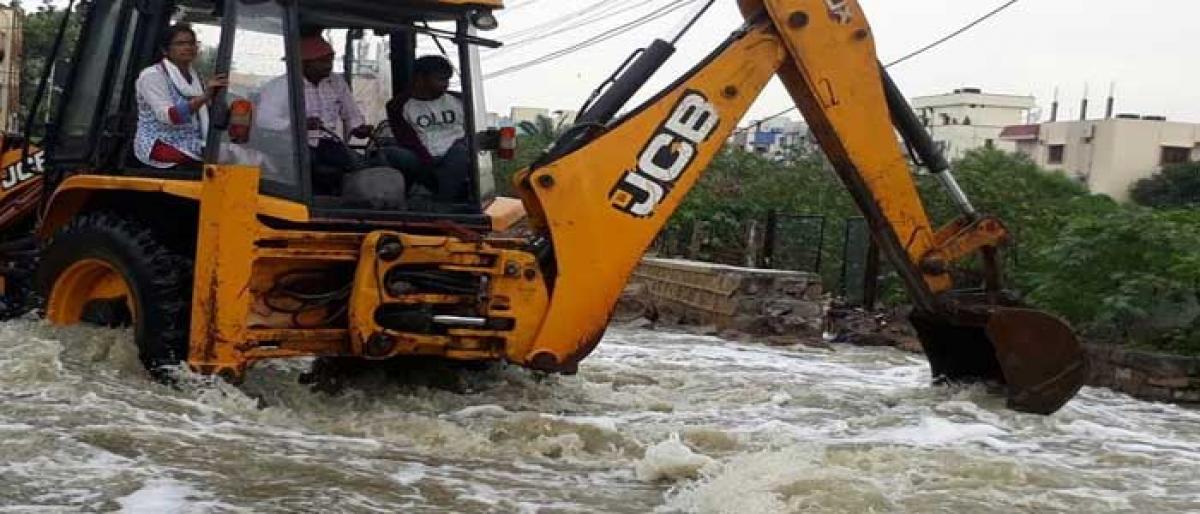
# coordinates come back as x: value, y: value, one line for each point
x: 159, y: 496
x: 481, y: 411
x: 410, y: 474
x: 933, y: 431
x: 670, y: 460
x: 777, y: 482
x: 669, y: 421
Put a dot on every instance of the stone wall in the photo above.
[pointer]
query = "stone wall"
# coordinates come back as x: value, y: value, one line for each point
x: 1145, y: 375
x: 754, y: 301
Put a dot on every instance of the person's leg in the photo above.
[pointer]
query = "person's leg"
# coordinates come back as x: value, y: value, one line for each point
x: 453, y: 174
x: 163, y: 152
x: 415, y: 171
x: 335, y: 155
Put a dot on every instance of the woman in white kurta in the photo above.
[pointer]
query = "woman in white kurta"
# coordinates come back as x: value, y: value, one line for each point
x: 173, y: 103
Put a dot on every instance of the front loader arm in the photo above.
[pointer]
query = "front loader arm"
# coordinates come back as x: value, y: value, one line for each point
x: 600, y: 206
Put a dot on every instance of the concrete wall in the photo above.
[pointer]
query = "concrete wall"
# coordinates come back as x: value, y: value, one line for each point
x: 754, y: 301
x: 1145, y: 375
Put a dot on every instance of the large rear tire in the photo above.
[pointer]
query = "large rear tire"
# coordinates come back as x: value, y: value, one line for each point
x: 109, y: 269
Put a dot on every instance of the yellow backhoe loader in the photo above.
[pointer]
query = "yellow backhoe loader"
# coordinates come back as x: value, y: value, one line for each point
x: 244, y: 257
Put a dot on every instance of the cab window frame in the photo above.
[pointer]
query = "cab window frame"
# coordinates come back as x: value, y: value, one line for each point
x: 301, y: 191
x: 469, y: 211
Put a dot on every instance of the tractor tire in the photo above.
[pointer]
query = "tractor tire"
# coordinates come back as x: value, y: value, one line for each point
x: 108, y: 269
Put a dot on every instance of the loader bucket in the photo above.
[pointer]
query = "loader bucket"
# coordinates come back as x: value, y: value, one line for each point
x: 1034, y: 355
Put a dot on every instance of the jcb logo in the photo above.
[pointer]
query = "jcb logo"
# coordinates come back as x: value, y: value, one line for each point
x: 666, y: 156
x: 16, y: 174
x: 839, y: 10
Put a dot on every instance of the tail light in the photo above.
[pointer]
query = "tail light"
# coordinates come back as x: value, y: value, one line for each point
x: 507, y: 149
x: 241, y: 119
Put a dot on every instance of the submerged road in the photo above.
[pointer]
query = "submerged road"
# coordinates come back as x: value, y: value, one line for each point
x: 654, y: 422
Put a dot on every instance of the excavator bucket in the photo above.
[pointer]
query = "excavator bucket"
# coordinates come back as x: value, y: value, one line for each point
x: 1034, y: 355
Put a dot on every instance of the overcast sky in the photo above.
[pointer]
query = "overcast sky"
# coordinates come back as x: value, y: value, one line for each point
x: 1146, y: 47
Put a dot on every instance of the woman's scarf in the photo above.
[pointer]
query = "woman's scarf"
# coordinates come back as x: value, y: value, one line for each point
x: 188, y: 90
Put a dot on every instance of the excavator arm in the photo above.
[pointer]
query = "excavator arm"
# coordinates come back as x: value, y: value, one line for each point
x: 600, y: 204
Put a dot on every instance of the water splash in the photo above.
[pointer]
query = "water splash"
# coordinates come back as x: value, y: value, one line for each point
x: 666, y: 422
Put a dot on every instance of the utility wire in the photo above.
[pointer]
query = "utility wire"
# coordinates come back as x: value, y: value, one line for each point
x: 521, y: 5
x: 600, y: 16
x: 691, y: 21
x: 953, y: 35
x: 600, y: 5
x: 915, y: 53
x: 600, y: 38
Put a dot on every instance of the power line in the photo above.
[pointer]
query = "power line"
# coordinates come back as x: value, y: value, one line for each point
x: 599, y: 16
x: 915, y: 53
x: 954, y: 34
x: 600, y: 38
x: 559, y: 20
x: 521, y: 5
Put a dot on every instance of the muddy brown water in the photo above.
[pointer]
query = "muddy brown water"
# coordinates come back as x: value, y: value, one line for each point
x: 655, y: 422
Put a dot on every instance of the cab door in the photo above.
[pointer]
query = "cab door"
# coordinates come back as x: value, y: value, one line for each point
x: 258, y: 55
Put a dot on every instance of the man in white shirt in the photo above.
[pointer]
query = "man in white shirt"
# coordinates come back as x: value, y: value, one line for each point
x: 430, y: 133
x: 329, y: 107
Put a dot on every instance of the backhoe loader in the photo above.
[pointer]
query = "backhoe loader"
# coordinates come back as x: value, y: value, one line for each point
x: 243, y: 259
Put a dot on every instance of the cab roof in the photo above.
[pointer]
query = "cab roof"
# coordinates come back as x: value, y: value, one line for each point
x: 439, y: 5
x: 384, y: 11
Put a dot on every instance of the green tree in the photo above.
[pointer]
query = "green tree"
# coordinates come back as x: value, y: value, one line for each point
x: 544, y: 128
x: 1119, y: 273
x: 1173, y: 187
x: 1128, y: 275
x: 40, y: 29
x: 533, y: 139
x: 1033, y: 203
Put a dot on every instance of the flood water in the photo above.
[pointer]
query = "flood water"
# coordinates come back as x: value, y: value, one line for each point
x: 654, y: 422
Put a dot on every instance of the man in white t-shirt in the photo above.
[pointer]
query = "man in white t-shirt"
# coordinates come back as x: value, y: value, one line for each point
x: 430, y: 133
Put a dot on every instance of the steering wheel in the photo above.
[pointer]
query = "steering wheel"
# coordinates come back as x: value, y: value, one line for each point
x: 335, y: 137
x: 381, y: 131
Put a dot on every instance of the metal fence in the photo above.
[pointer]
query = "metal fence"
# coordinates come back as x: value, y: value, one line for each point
x: 793, y: 242
x: 860, y: 264
x: 790, y: 242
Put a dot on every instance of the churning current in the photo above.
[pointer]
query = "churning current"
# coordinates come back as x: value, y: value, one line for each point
x: 654, y: 422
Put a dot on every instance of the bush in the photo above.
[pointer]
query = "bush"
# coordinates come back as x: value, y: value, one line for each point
x: 1174, y: 187
x: 1127, y: 275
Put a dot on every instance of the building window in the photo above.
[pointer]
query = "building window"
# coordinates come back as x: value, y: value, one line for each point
x: 1175, y: 155
x: 1055, y: 154
x: 989, y: 143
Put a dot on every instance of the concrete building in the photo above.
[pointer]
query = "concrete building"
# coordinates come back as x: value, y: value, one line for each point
x: 10, y: 67
x: 518, y: 115
x: 774, y: 138
x: 969, y: 118
x: 372, y: 78
x: 530, y: 114
x: 1109, y: 155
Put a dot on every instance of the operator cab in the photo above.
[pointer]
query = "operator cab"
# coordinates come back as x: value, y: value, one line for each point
x: 260, y: 120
